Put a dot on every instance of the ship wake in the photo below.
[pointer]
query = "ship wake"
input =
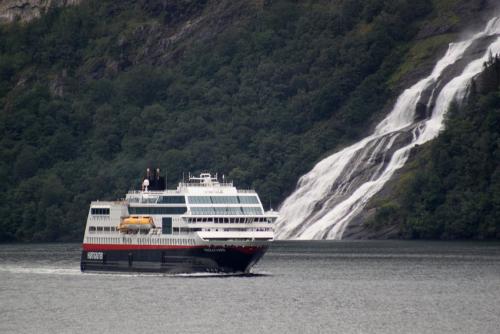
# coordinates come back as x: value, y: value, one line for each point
x: 14, y: 269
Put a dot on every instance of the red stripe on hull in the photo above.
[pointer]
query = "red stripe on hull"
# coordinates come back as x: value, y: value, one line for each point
x: 123, y: 247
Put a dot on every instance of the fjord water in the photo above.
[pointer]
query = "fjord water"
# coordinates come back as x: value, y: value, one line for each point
x: 299, y: 287
x: 338, y: 187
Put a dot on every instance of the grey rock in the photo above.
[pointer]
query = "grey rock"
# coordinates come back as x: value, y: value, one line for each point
x: 27, y: 10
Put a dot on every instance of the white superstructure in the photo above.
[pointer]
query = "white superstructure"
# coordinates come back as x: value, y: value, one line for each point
x: 201, y: 211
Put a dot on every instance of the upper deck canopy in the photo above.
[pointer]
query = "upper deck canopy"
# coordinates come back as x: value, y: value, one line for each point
x: 204, y: 184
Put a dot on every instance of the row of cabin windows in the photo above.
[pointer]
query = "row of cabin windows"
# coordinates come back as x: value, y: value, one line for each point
x: 161, y: 241
x: 139, y: 231
x: 99, y: 211
x: 237, y: 229
x: 102, y: 228
x: 159, y: 199
x: 166, y: 228
x: 171, y: 200
x: 226, y: 211
x: 223, y: 200
x: 219, y: 220
x: 167, y: 225
x: 147, y: 241
x: 104, y: 240
x: 147, y: 210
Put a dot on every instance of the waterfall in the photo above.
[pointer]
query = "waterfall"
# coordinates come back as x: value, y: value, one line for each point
x: 338, y: 187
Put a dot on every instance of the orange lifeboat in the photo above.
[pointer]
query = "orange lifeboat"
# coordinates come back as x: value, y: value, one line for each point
x: 136, y: 223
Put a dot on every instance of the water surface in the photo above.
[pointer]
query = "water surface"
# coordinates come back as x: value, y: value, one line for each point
x: 299, y: 287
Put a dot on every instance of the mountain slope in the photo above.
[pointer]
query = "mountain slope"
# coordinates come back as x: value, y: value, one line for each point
x: 94, y: 93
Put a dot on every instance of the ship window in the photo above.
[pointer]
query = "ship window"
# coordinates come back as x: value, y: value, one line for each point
x: 248, y: 199
x: 107, y: 229
x: 99, y: 228
x: 252, y: 211
x: 199, y: 200
x: 202, y: 211
x: 149, y: 199
x: 234, y: 211
x: 99, y: 211
x: 147, y: 210
x: 221, y: 200
x: 166, y: 225
x: 224, y: 199
x: 172, y: 199
x: 92, y: 228
x: 133, y: 199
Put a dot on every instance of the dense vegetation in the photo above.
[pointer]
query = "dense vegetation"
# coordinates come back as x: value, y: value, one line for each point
x: 93, y: 94
x: 451, y: 190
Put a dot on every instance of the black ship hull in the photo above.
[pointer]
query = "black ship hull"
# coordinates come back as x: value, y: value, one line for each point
x: 170, y: 259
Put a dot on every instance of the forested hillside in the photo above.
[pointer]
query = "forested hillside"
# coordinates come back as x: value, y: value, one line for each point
x: 93, y: 94
x: 451, y: 189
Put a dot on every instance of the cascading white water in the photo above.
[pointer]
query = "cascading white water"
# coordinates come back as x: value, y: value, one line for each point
x: 338, y: 187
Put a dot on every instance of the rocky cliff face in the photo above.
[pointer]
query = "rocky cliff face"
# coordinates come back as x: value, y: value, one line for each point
x: 27, y: 10
x: 156, y: 43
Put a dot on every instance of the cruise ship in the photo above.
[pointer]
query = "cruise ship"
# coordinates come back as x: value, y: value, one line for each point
x: 203, y: 226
